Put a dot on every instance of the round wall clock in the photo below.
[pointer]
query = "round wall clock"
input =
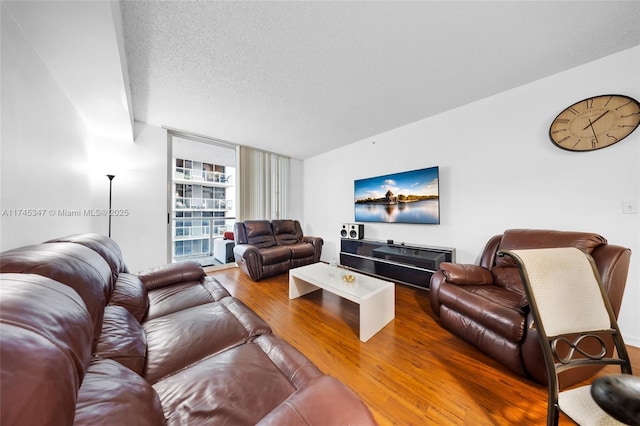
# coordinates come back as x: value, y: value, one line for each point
x: 595, y: 123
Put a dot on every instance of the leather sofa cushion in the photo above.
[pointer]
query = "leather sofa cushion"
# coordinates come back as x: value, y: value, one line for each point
x: 130, y: 293
x: 303, y: 407
x: 122, y: 339
x: 508, y: 277
x: 169, y: 299
x: 45, y: 346
x: 259, y: 233
x: 286, y: 231
x: 301, y: 251
x: 112, y: 394
x: 183, y: 338
x: 215, y: 390
x: 495, y: 308
x: 172, y: 273
x: 275, y: 254
x: 291, y: 362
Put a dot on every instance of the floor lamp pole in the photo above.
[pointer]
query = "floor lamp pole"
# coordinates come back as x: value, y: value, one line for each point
x: 110, y: 187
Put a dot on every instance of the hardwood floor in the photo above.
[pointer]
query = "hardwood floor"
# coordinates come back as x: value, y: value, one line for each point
x: 412, y: 372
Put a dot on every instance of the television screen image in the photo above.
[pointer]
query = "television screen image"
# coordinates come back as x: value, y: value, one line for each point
x: 406, y: 197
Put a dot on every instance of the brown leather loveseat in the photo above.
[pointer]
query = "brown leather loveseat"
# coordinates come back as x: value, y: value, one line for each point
x: 486, y: 305
x: 266, y: 248
x: 84, y: 342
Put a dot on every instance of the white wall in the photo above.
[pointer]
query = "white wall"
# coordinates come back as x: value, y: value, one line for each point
x: 43, y: 149
x: 499, y: 170
x: 51, y: 163
x: 139, y: 197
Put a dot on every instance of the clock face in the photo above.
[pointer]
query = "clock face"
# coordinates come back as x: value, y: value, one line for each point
x: 595, y: 123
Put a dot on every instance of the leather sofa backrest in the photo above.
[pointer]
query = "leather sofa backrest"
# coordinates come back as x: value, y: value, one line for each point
x: 101, y: 244
x: 287, y: 232
x: 613, y: 262
x: 255, y: 232
x: 45, y: 346
x: 74, y: 265
x: 71, y: 342
x: 518, y: 239
x: 505, y: 272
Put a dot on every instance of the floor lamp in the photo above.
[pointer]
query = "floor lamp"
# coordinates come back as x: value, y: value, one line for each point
x: 110, y: 187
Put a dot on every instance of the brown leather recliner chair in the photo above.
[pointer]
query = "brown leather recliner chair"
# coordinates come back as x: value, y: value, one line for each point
x: 486, y: 304
x: 266, y: 248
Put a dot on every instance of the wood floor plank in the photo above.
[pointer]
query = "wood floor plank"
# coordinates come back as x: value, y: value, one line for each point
x: 412, y: 372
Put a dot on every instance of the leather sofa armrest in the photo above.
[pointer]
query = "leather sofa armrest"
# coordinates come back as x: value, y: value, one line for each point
x: 325, y: 401
x: 248, y: 258
x: 173, y: 273
x: 461, y: 274
x: 245, y: 251
x: 317, y: 243
x: 313, y: 240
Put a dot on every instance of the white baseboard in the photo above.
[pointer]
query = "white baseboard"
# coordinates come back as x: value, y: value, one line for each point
x: 630, y: 341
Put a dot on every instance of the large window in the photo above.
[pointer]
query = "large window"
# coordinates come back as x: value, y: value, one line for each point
x: 202, y: 198
x: 203, y: 185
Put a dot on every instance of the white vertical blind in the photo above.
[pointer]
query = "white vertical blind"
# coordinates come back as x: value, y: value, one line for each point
x: 263, y: 181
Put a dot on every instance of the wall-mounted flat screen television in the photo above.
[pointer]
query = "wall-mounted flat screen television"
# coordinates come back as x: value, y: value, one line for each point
x: 406, y: 197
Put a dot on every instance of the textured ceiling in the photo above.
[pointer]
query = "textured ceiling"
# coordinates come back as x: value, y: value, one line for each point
x: 302, y: 78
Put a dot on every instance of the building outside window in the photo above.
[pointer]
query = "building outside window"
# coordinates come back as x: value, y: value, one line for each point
x: 203, y: 192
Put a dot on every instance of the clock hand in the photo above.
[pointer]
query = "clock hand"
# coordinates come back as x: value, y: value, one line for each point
x: 591, y: 122
x: 593, y: 144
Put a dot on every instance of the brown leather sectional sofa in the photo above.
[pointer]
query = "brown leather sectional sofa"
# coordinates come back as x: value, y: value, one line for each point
x: 266, y: 248
x: 85, y: 342
x: 486, y: 304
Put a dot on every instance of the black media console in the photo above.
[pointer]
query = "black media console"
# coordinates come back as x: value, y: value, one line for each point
x: 405, y: 263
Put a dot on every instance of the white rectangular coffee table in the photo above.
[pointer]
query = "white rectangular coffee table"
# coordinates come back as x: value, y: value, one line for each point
x: 375, y: 297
